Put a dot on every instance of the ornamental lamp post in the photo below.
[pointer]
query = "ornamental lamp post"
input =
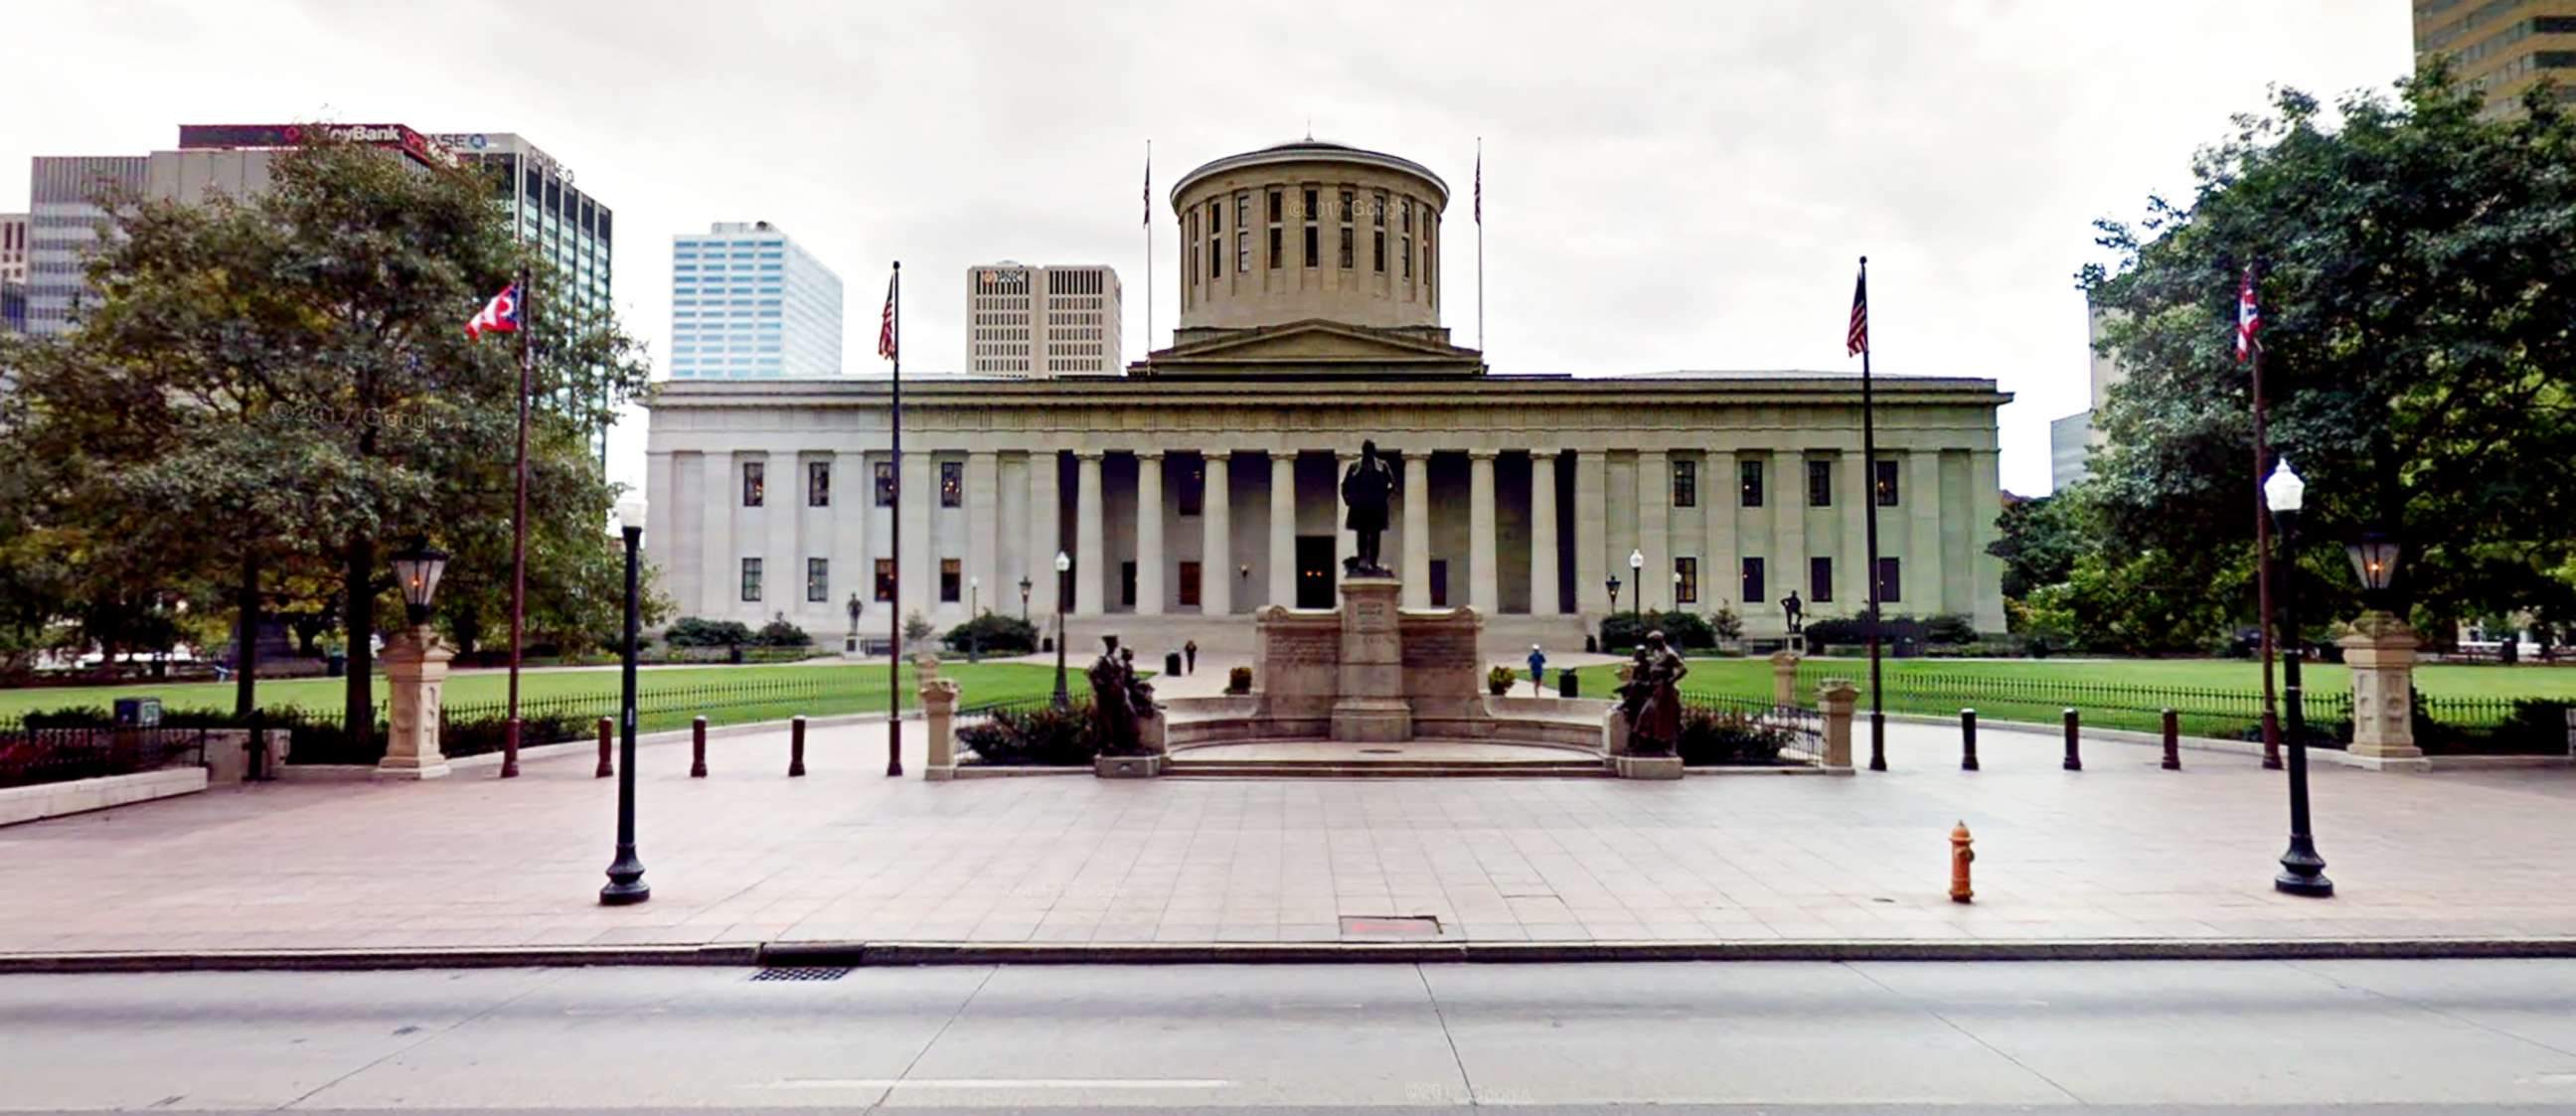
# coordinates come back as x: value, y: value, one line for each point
x: 974, y: 612
x: 2374, y: 561
x: 626, y: 871
x: 1063, y: 565
x: 1613, y: 582
x: 1677, y: 590
x: 415, y: 670
x: 417, y: 568
x: 2303, y: 872
x: 1637, y: 577
x: 1025, y: 586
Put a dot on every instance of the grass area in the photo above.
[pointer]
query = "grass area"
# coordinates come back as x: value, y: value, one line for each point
x: 665, y: 697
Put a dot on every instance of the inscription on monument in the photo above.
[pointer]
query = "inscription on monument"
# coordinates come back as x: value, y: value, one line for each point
x: 1288, y: 646
x: 1450, y: 645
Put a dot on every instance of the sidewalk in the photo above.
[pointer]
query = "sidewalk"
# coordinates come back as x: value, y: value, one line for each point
x: 2121, y: 850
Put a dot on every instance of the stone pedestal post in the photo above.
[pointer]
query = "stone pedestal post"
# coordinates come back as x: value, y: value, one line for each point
x: 939, y: 707
x: 1371, y: 708
x: 1836, y: 698
x: 1784, y: 678
x: 2380, y: 653
x: 415, y: 673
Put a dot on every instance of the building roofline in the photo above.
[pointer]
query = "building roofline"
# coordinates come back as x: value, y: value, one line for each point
x: 1308, y: 151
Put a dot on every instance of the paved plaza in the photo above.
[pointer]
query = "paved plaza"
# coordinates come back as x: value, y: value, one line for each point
x: 747, y: 855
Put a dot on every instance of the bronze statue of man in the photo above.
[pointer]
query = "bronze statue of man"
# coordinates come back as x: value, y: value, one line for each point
x: 1796, y: 610
x: 1112, y: 716
x: 1657, y: 729
x: 1366, y: 488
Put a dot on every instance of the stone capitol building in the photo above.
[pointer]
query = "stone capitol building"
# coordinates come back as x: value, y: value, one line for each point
x: 1200, y: 485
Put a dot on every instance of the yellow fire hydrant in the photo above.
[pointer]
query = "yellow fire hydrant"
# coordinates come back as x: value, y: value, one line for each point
x: 1961, y: 854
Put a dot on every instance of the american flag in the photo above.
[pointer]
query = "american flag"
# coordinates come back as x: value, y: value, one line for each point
x: 2249, y: 318
x: 1149, y: 183
x: 501, y: 315
x: 885, y: 325
x: 1857, y: 341
x: 1480, y: 182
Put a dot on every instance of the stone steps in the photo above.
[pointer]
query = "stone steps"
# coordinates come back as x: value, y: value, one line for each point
x: 1178, y: 768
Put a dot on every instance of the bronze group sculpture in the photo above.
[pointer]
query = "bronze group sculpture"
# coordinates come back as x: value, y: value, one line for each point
x: 1652, y: 701
x: 1121, y: 702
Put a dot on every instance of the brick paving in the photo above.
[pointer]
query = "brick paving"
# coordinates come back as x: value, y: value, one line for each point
x: 2119, y: 850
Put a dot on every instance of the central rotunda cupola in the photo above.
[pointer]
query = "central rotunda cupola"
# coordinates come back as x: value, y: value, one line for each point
x: 1305, y: 231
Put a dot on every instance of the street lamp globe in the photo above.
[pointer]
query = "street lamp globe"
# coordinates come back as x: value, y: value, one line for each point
x: 2283, y: 491
x: 630, y: 513
x: 417, y: 568
x: 1636, y: 560
x: 1063, y: 564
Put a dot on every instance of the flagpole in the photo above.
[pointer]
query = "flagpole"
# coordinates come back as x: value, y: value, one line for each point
x: 519, y: 520
x: 1480, y: 247
x: 1869, y: 503
x: 1149, y: 248
x: 2253, y: 342
x: 894, y: 663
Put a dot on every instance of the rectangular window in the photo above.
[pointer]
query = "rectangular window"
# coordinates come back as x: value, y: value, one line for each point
x: 818, y: 579
x: 1127, y: 584
x: 1377, y: 249
x: 1274, y: 205
x: 885, y: 484
x: 751, y: 579
x: 1820, y: 579
x: 753, y: 487
x: 1685, y: 484
x: 1189, y: 585
x: 1192, y: 496
x: 1310, y: 203
x: 885, y: 580
x: 1753, y: 589
x: 1242, y: 212
x: 1820, y: 483
x: 1242, y: 250
x: 1346, y: 247
x: 950, y: 580
x: 1216, y: 254
x: 1276, y: 253
x: 952, y: 484
x: 1408, y: 257
x: 1748, y: 479
x: 818, y: 484
x: 1377, y: 211
x: 1311, y: 247
x: 1686, y: 588
x: 1886, y: 471
x: 1216, y: 219
x: 1890, y: 581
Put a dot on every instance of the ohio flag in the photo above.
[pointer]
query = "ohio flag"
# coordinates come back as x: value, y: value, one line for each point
x: 501, y: 315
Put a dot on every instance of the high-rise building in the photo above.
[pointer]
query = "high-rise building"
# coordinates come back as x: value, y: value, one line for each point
x: 1042, y: 321
x: 747, y: 302
x: 2072, y: 438
x: 2502, y: 47
x: 62, y: 224
x: 13, y: 272
x: 570, y: 229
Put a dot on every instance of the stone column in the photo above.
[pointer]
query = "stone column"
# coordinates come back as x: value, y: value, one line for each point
x: 1544, y: 600
x: 1416, y: 567
x: 415, y: 672
x: 939, y: 709
x: 719, y: 567
x: 919, y: 590
x: 1046, y: 532
x: 782, y: 578
x: 1283, y: 528
x: 1836, y: 698
x: 1985, y: 571
x: 1484, y: 584
x: 2380, y: 653
x: 850, y: 505
x: 1216, y: 535
x: 1721, y: 565
x: 1852, y: 569
x: 1088, y: 579
x: 1591, y: 532
x: 661, y: 493
x: 1786, y: 568
x: 1921, y: 503
x: 1654, y: 528
x: 983, y: 531
x: 1149, y: 532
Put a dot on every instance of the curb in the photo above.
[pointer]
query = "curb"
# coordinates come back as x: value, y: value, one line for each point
x: 898, y: 954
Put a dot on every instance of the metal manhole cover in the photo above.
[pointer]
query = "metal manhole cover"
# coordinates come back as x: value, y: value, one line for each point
x: 802, y: 972
x: 1391, y: 926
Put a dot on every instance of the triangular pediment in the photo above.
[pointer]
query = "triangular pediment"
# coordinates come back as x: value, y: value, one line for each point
x: 1314, y: 347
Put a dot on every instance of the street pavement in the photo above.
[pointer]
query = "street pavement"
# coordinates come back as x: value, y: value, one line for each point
x: 2383, y: 1036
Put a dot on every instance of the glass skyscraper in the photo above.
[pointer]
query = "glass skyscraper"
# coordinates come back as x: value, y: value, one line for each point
x: 748, y: 303
x: 569, y: 228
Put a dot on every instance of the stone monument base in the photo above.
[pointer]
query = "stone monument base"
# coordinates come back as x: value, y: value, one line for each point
x: 1369, y: 673
x: 1372, y: 720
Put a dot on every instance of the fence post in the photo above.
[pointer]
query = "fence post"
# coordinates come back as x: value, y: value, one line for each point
x: 2074, y: 758
x: 2173, y: 741
x: 796, y: 748
x: 1835, y: 699
x: 605, y: 769
x: 1784, y: 678
x: 1967, y: 740
x: 698, y: 748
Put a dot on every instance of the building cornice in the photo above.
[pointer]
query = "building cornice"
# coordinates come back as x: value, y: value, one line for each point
x: 1710, y: 389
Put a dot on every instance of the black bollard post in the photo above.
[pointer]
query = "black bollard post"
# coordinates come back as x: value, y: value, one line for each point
x: 796, y: 748
x: 1967, y: 740
x: 605, y: 768
x: 2173, y: 742
x: 698, y: 748
x: 2074, y: 758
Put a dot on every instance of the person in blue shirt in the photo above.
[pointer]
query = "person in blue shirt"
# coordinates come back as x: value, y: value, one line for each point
x: 1538, y: 670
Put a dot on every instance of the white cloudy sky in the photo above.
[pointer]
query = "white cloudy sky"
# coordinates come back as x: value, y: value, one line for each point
x: 1678, y: 185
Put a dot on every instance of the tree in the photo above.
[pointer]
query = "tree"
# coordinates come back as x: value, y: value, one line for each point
x: 2039, y: 540
x: 2419, y: 275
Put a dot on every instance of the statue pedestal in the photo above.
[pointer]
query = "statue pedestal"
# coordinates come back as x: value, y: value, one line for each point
x: 1371, y: 708
x: 415, y: 673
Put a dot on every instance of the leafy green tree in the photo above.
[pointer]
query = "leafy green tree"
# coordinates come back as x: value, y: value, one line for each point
x: 2039, y: 540
x: 2419, y: 275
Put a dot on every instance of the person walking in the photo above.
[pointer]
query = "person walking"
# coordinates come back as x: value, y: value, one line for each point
x: 1190, y: 657
x: 1538, y: 671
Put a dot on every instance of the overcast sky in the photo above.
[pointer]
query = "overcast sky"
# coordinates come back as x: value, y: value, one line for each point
x: 1666, y: 185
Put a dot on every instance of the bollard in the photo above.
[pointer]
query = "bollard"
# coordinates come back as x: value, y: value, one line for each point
x: 604, y: 769
x: 2074, y: 758
x: 698, y: 748
x: 1967, y: 740
x: 2173, y: 742
x: 796, y: 748
x: 1962, y: 853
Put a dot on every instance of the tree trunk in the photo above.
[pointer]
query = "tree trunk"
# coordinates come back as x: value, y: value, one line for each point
x: 246, y: 641
x: 358, y: 709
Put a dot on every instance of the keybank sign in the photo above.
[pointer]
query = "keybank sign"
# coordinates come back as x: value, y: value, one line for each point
x: 420, y: 147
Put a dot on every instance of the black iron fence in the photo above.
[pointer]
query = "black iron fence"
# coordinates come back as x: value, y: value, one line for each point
x: 30, y: 756
x: 1721, y: 730
x: 2201, y: 711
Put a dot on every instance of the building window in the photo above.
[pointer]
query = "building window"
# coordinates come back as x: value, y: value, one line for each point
x: 754, y: 487
x: 818, y: 580
x: 1886, y: 471
x: 950, y: 584
x: 952, y: 484
x: 1311, y: 247
x: 1685, y: 484
x: 818, y: 484
x: 1346, y: 248
x: 885, y: 580
x: 1377, y: 211
x: 1377, y: 248
x: 1216, y: 219
x: 751, y: 579
x: 1753, y: 590
x: 1686, y: 588
x: 1242, y: 212
x: 1310, y: 204
x: 885, y: 484
x: 1127, y: 584
x: 1192, y: 494
x: 1820, y: 483
x: 1242, y: 250
x: 1748, y: 479
x: 1274, y: 205
x: 1189, y: 585
x: 1890, y: 579
x: 1820, y: 580
x: 1276, y: 252
x: 1408, y: 257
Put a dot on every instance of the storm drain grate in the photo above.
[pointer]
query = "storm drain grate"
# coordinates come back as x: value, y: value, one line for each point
x: 802, y: 972
x: 1390, y: 926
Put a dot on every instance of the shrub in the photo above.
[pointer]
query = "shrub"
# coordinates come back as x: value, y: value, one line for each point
x: 1623, y: 631
x: 1725, y: 624
x: 478, y: 735
x: 1949, y: 628
x: 1239, y: 680
x: 780, y: 633
x: 1043, y: 736
x: 916, y: 629
x: 1499, y: 680
x: 1718, y: 739
x: 995, y: 634
x: 693, y: 631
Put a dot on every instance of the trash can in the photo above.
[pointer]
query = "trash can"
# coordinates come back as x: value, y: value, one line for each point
x: 1566, y: 684
x: 1591, y: 645
x: 336, y: 665
x: 1172, y: 663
